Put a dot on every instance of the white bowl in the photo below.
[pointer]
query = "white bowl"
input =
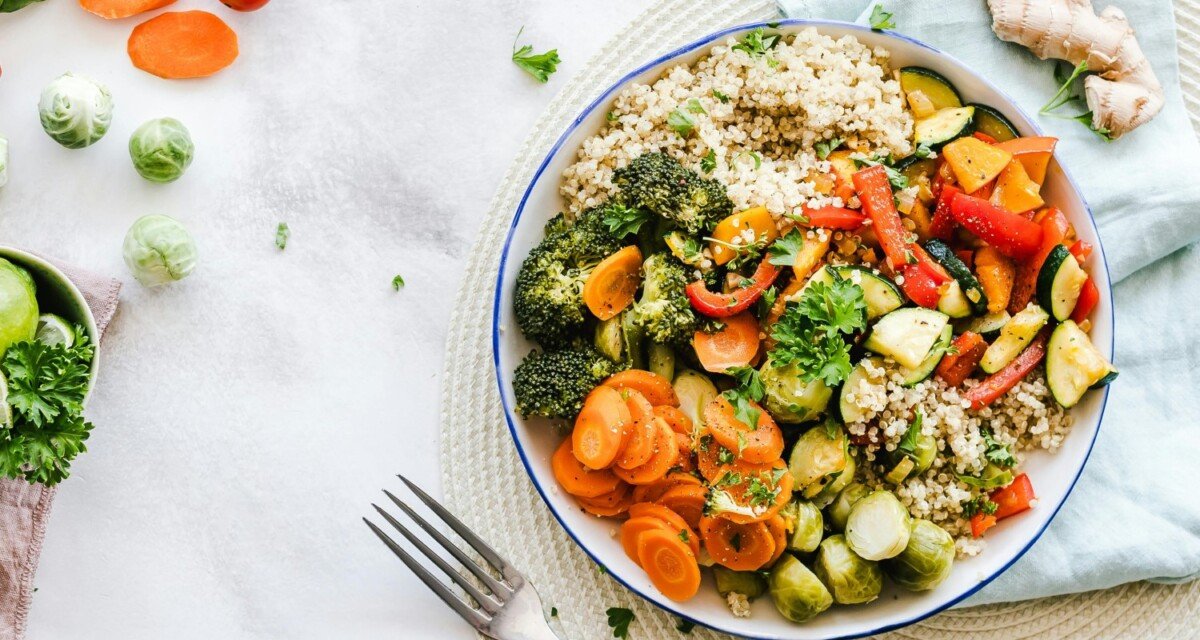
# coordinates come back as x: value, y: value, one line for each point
x: 1053, y: 475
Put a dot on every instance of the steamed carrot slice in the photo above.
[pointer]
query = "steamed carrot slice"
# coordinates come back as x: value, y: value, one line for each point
x: 653, y: 491
x: 736, y: 344
x: 778, y: 529
x: 675, y: 522
x: 601, y: 428
x: 687, y: 461
x: 183, y: 44
x: 666, y: 454
x: 113, y: 9
x: 669, y: 562
x: 675, y: 417
x: 712, y: 459
x: 643, y: 434
x: 613, y: 503
x: 577, y: 479
x: 634, y: 527
x: 763, y: 443
x: 657, y: 389
x: 687, y: 500
x: 741, y: 547
x: 613, y: 283
x: 772, y: 480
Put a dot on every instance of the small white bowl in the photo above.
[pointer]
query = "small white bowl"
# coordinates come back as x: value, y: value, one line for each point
x: 1053, y: 475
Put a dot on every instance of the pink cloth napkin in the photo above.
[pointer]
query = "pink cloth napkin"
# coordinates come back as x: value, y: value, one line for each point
x: 24, y: 507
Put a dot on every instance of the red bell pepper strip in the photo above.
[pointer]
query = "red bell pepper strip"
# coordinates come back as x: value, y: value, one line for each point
x: 1082, y: 250
x: 981, y: 522
x: 1014, y: 498
x: 1089, y: 297
x: 723, y: 305
x: 958, y: 366
x: 834, y: 218
x: 919, y: 286
x: 1013, y: 235
x: 1000, y: 382
x: 967, y: 256
x: 875, y: 193
x: 929, y: 265
x: 942, y: 225
x: 1054, y: 228
x: 985, y: 137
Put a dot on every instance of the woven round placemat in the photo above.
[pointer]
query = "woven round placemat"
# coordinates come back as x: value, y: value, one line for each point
x: 486, y: 484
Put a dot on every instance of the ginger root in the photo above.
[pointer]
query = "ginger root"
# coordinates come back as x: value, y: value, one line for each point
x: 1125, y: 93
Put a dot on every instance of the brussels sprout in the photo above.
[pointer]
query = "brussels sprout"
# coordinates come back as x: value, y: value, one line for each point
x: 158, y: 250
x: 18, y: 305
x: 809, y: 527
x: 917, y: 447
x: 75, y: 111
x: 927, y: 559
x: 748, y: 583
x: 797, y: 592
x: 993, y: 477
x: 790, y: 399
x: 834, y: 483
x: 661, y: 360
x: 695, y: 391
x: 3, y: 161
x: 839, y: 511
x: 820, y: 452
x: 878, y: 526
x: 851, y: 579
x: 161, y: 149
x: 609, y: 339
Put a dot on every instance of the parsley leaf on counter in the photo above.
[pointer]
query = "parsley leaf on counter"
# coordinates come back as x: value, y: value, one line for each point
x: 538, y: 65
x: 685, y: 626
x: 282, y: 233
x: 619, y: 619
x: 397, y: 282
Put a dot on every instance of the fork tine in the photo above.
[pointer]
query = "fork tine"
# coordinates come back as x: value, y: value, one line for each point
x: 501, y: 590
x: 487, y: 603
x: 463, y: 532
x: 468, y: 613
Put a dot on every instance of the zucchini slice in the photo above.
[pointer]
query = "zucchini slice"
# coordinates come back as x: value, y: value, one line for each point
x: 986, y: 325
x: 953, y: 303
x: 993, y: 123
x: 1074, y: 365
x: 1059, y: 283
x: 967, y: 282
x: 1014, y: 337
x: 881, y: 294
x: 913, y: 168
x: 935, y: 86
x: 851, y: 412
x: 943, y: 126
x: 922, y: 372
x: 907, y: 335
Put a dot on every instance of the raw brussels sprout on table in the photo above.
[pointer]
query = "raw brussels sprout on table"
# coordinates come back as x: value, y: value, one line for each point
x: 75, y: 111
x: 849, y: 578
x: 927, y: 559
x: 798, y: 593
x: 158, y: 250
x: 161, y: 149
x: 878, y: 526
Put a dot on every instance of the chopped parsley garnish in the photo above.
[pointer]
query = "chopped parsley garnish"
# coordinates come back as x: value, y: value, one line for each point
x: 753, y: 156
x: 783, y: 252
x: 766, y: 301
x: 826, y: 147
x: 619, y: 619
x: 743, y: 409
x: 749, y: 381
x: 683, y: 535
x: 742, y: 253
x: 709, y: 162
x: 922, y: 151
x: 881, y: 19
x: 538, y: 65
x: 622, y: 220
x: 397, y: 282
x: 720, y: 96
x: 681, y: 123
x: 611, y: 116
x: 736, y: 542
x: 981, y: 504
x: 898, y: 180
x: 997, y: 453
x: 757, y: 43
x: 812, y: 332
x: 694, y: 106
x: 908, y: 444
x: 725, y: 456
x: 282, y: 233
x: 760, y: 493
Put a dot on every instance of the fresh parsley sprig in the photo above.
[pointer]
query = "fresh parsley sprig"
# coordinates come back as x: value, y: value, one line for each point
x: 1067, y: 95
x: 812, y: 332
x: 997, y: 453
x: 538, y: 65
x: 783, y: 252
x: 881, y: 19
x: 622, y: 221
x: 757, y: 43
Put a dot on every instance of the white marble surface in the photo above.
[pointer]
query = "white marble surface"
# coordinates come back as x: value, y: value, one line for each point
x: 247, y: 416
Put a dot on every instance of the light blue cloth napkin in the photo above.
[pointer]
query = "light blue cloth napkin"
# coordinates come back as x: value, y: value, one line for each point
x: 1135, y: 513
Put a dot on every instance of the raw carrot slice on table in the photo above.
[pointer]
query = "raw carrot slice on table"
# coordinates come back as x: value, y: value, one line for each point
x: 666, y: 454
x: 741, y: 547
x: 183, y: 44
x: 601, y: 428
x: 577, y: 479
x: 735, y: 344
x: 687, y: 500
x: 612, y: 284
x: 114, y: 9
x: 639, y: 446
x: 669, y: 562
x: 657, y: 389
x: 762, y: 443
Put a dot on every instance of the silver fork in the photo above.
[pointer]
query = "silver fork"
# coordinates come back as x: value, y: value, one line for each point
x: 511, y: 611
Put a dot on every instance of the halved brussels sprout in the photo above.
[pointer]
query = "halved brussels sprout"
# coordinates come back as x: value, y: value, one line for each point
x: 809, y: 526
x: 159, y: 250
x: 927, y: 559
x: 161, y: 149
x: 791, y: 399
x: 609, y: 339
x: 916, y: 446
x: 835, y: 484
x: 748, y: 583
x: 820, y: 452
x: 839, y: 510
x: 75, y: 111
x: 661, y: 360
x: 878, y: 526
x: 695, y: 391
x: 851, y: 579
x: 797, y: 592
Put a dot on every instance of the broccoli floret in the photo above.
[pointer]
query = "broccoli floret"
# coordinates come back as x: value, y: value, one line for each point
x: 548, y: 299
x: 553, y: 384
x: 664, y: 311
x: 659, y: 184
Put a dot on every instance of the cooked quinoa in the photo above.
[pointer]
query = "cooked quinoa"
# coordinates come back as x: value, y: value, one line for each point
x: 808, y: 89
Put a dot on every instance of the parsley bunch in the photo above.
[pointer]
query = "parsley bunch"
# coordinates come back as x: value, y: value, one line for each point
x: 46, y: 386
x: 812, y: 333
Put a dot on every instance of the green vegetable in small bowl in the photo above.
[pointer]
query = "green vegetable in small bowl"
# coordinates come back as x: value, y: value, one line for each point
x: 75, y: 110
x: 161, y: 149
x: 158, y: 250
x: 18, y: 305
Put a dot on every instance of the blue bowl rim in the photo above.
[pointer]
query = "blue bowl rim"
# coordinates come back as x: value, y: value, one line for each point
x: 603, y: 98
